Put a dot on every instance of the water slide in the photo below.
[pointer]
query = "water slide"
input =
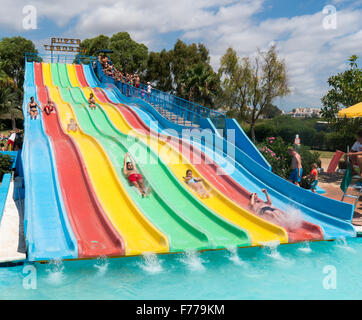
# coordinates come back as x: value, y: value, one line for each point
x: 47, y: 229
x: 214, y: 174
x: 332, y: 216
x: 95, y: 234
x: 217, y: 232
x: 138, y: 234
x: 260, y: 231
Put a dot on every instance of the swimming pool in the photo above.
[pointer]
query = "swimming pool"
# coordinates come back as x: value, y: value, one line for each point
x: 319, y: 270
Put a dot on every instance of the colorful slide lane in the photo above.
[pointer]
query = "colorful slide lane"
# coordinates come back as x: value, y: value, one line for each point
x: 46, y: 226
x: 332, y: 227
x: 219, y: 232
x: 95, y: 234
x: 213, y: 173
x: 138, y: 234
x: 259, y: 230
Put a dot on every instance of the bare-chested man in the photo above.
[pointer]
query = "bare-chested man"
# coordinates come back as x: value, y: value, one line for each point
x: 297, y: 170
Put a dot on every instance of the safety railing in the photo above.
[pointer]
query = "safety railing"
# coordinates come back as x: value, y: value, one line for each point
x: 181, y: 110
x: 169, y: 110
x: 59, y: 58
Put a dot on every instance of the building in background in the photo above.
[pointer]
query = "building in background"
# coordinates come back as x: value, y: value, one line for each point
x: 305, y: 112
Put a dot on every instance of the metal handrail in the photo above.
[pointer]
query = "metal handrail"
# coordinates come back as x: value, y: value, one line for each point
x: 58, y: 58
x: 202, y: 112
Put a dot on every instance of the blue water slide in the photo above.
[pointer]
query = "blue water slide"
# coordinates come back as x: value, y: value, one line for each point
x: 48, y: 233
x: 333, y: 216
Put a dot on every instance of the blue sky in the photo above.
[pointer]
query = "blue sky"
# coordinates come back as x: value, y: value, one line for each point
x: 312, y: 52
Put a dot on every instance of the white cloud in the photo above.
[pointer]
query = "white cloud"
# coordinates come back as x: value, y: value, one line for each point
x: 312, y: 53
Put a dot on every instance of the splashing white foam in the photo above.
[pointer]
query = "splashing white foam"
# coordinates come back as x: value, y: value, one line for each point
x: 55, y: 272
x: 151, y: 263
x: 306, y: 248
x: 342, y: 243
x: 192, y: 261
x: 233, y: 256
x: 101, y: 265
x: 293, y: 218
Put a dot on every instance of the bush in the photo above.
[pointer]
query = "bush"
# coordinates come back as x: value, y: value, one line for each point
x: 5, y: 164
x: 275, y: 151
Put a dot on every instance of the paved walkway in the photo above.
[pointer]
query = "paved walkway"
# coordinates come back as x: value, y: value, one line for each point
x: 12, y: 242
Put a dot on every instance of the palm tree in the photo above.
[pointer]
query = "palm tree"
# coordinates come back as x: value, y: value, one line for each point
x: 200, y: 84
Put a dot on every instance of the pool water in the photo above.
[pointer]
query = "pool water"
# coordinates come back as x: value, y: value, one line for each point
x: 319, y: 270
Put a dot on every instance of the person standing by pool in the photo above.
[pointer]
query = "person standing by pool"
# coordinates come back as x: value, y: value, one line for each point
x: 314, y: 177
x: 297, y: 169
x: 11, y: 140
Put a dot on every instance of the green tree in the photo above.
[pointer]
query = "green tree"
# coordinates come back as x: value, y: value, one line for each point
x: 159, y: 70
x: 271, y: 111
x: 201, y: 84
x: 253, y: 87
x: 128, y: 55
x: 12, y: 55
x: 235, y: 86
x: 345, y: 91
x: 184, y: 59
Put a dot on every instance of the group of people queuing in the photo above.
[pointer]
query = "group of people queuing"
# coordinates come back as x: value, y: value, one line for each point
x: 125, y: 78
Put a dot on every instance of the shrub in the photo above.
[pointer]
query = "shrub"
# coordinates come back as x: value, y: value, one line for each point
x: 275, y: 151
x: 5, y: 164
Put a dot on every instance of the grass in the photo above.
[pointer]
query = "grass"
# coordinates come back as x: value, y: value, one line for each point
x: 325, y: 154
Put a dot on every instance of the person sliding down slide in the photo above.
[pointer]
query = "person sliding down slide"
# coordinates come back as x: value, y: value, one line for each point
x: 133, y: 176
x: 196, y: 184
x: 265, y: 210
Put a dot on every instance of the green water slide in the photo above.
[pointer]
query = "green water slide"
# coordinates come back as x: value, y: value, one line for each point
x: 168, y: 193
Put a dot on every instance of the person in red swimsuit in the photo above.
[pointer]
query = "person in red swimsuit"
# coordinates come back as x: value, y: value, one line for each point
x: 49, y: 108
x: 133, y: 176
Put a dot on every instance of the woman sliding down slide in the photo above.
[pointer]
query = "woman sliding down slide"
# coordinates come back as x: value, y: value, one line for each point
x: 133, y: 176
x: 196, y: 184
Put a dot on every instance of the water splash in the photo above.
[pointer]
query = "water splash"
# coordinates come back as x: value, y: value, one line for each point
x: 293, y: 219
x: 306, y: 248
x: 101, y: 265
x: 271, y: 250
x: 55, y: 271
x: 151, y: 263
x: 193, y: 261
x: 342, y: 243
x: 233, y: 256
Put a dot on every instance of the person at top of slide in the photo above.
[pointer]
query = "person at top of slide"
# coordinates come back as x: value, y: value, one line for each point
x: 297, y: 170
x: 132, y: 174
x: 92, y: 101
x: 33, y: 108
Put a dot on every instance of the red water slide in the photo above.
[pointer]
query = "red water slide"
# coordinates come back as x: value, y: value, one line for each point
x: 211, y: 171
x: 81, y: 77
x: 95, y: 234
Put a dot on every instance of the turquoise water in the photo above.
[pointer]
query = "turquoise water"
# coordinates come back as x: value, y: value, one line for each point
x: 321, y: 270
